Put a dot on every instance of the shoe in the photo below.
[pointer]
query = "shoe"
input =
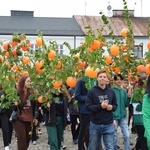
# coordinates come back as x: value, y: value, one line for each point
x: 39, y: 131
x: 34, y: 142
x: 118, y: 147
x: 7, y: 148
x: 75, y: 141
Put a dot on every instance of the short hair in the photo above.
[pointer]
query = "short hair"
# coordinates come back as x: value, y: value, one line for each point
x: 118, y: 75
x: 100, y: 72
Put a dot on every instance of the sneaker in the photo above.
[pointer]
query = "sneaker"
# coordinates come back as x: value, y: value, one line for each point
x: 7, y: 148
x: 34, y: 142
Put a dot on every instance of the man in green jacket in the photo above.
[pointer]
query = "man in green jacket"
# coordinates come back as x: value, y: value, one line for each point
x: 120, y: 113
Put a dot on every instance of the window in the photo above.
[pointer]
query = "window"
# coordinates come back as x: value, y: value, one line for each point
x: 60, y: 49
x: 138, y: 50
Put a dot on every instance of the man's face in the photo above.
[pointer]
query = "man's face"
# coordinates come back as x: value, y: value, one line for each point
x: 102, y: 79
x: 118, y: 82
x: 125, y: 84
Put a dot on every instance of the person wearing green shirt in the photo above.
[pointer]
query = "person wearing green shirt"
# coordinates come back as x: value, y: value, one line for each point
x: 146, y: 112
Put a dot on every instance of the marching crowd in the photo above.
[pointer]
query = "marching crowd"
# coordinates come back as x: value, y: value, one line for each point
x: 92, y: 113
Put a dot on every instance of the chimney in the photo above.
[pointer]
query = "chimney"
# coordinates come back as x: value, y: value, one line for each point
x: 22, y: 13
x: 121, y: 13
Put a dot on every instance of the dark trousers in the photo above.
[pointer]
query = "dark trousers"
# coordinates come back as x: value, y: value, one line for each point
x: 55, y: 134
x: 7, y: 128
x: 74, y: 127
x: 34, y: 136
x: 141, y: 139
x: 22, y: 130
x: 83, y: 136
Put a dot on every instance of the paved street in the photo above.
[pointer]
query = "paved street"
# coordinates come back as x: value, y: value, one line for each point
x: 42, y: 141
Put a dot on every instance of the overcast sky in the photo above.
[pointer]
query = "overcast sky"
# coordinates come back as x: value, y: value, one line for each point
x: 68, y: 8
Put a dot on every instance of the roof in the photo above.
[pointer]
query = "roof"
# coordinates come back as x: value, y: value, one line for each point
x: 140, y: 24
x: 25, y: 22
x: 49, y: 26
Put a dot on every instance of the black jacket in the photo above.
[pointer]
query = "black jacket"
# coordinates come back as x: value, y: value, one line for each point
x: 93, y: 104
x: 51, y: 113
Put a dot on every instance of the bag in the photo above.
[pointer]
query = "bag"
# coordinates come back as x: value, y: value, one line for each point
x: 13, y: 116
x: 26, y: 113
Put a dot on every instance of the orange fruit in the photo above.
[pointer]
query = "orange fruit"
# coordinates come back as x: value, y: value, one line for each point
x: 40, y: 99
x: 139, y: 68
x: 71, y: 82
x: 15, y: 68
x: 25, y: 73
x: 7, y: 54
x: 91, y: 72
x: 39, y: 41
x: 81, y: 64
x: 124, y: 32
x: 117, y: 70
x: 24, y: 48
x: 38, y: 64
x: 14, y: 52
x: 5, y: 46
x: 123, y: 47
x: 59, y: 65
x: 114, y: 50
x: 13, y: 43
x: 95, y: 44
x: 108, y: 60
x: 25, y: 60
x: 57, y: 84
x: 39, y: 70
x: 147, y: 69
x: 51, y: 54
x: 148, y: 45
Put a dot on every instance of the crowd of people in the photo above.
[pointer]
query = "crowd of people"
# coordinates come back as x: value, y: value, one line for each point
x: 92, y: 110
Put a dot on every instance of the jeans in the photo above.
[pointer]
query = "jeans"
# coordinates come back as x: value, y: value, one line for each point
x: 125, y: 131
x: 100, y: 130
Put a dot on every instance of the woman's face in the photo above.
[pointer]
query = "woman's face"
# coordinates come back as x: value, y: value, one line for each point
x: 27, y: 83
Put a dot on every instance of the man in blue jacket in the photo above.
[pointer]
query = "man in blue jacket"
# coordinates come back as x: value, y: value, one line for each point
x: 81, y: 95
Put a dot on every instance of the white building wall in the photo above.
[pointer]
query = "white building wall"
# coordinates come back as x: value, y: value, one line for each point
x: 74, y: 43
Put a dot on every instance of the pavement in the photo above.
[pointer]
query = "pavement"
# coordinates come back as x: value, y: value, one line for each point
x: 42, y: 141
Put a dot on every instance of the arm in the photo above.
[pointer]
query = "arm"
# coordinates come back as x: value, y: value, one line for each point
x: 78, y: 91
x: 114, y: 104
x: 90, y: 106
x: 146, y: 116
x: 127, y: 99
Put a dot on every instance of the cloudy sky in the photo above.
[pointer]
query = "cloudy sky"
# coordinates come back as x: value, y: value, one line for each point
x: 68, y: 8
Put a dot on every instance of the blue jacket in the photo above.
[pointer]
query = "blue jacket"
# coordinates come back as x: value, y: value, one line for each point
x: 81, y: 96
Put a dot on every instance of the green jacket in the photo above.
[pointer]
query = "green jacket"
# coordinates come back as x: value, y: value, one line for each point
x: 137, y: 111
x: 146, y: 117
x: 122, y: 102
